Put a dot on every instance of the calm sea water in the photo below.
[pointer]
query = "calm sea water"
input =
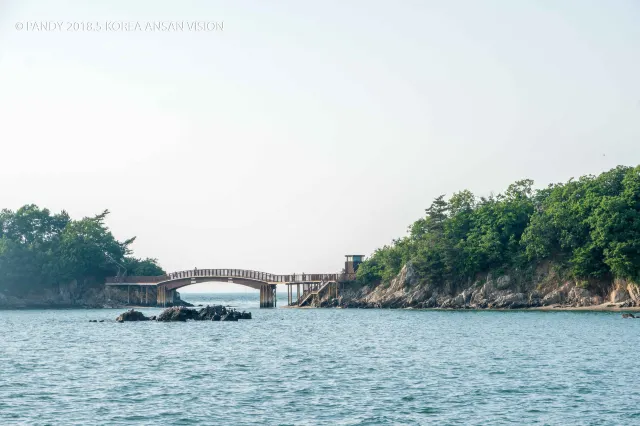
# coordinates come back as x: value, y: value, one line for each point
x: 317, y: 366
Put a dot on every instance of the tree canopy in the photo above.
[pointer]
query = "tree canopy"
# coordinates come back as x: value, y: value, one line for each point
x: 38, y: 248
x: 590, y: 226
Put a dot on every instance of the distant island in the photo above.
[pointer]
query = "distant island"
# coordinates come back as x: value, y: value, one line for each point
x: 49, y: 260
x: 570, y: 245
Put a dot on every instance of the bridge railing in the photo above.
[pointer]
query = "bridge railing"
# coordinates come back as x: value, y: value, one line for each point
x: 253, y: 275
x: 234, y: 273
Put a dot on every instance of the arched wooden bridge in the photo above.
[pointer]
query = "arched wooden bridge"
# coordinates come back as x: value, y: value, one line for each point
x: 164, y: 287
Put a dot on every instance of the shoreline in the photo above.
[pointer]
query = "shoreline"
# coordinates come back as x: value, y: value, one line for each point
x: 82, y: 308
x: 605, y: 307
x: 596, y: 308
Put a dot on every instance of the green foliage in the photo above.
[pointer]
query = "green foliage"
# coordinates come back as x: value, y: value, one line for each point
x: 591, y: 225
x: 383, y: 265
x: 39, y: 249
x: 143, y: 267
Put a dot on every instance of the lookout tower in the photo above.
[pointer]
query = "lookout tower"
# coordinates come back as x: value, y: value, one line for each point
x: 352, y: 263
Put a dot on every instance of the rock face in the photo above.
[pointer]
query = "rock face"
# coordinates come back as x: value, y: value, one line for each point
x: 85, y: 294
x: 208, y: 313
x: 539, y: 287
x: 132, y: 315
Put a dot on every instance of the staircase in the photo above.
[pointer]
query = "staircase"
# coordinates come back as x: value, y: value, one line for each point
x: 308, y: 295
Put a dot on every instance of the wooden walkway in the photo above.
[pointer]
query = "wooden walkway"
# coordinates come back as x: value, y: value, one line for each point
x: 166, y: 285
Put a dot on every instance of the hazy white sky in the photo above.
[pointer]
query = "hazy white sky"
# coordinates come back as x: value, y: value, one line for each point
x: 304, y: 131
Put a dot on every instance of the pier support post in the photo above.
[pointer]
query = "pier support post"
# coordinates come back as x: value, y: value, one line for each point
x: 161, y: 296
x: 267, y: 295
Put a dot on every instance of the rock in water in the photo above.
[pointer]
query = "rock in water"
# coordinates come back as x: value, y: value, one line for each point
x: 132, y: 316
x: 208, y: 313
x: 229, y: 317
x: 177, y: 313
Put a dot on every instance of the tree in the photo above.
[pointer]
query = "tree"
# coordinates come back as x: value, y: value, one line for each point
x: 39, y: 249
x: 143, y: 267
x: 589, y: 226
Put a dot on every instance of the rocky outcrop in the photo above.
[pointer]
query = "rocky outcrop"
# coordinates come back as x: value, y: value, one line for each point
x: 177, y: 314
x: 533, y: 288
x: 208, y: 313
x: 131, y: 315
x: 181, y: 313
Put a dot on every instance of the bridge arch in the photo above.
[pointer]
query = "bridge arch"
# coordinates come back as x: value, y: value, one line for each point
x: 178, y: 283
x: 166, y: 285
x: 263, y: 281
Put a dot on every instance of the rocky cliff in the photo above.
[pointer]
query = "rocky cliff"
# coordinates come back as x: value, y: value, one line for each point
x: 537, y: 287
x: 85, y: 295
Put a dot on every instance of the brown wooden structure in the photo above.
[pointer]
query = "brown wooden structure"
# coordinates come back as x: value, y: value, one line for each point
x: 165, y: 286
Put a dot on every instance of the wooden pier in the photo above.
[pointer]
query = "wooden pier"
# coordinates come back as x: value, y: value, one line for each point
x: 164, y: 287
x: 308, y: 286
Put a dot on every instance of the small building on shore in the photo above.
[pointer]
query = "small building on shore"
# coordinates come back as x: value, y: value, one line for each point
x: 352, y: 262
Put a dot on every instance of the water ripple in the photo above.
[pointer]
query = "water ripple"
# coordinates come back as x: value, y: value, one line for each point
x: 307, y: 367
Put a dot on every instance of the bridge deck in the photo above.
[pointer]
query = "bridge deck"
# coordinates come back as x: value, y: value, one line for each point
x: 165, y: 286
x: 245, y: 274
